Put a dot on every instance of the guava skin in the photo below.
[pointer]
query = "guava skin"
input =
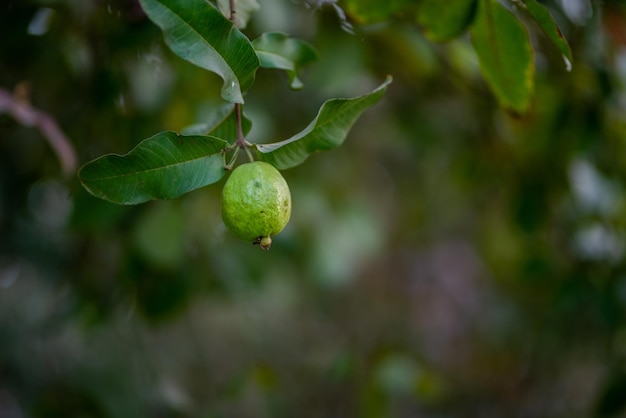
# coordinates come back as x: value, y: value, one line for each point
x: 256, y: 203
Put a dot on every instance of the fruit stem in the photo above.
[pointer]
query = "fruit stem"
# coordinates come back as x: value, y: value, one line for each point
x: 241, y: 140
x: 231, y: 163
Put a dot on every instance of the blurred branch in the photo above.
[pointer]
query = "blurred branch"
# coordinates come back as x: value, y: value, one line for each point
x: 18, y: 106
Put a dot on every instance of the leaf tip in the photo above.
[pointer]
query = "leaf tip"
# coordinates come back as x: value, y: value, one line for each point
x: 231, y: 92
x: 568, y: 63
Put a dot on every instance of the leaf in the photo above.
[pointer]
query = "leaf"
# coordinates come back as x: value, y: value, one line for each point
x: 163, y: 166
x: 505, y: 55
x: 244, y: 9
x: 222, y: 123
x: 544, y: 19
x: 197, y: 32
x: 328, y: 130
x: 443, y: 21
x: 277, y: 50
x: 371, y: 11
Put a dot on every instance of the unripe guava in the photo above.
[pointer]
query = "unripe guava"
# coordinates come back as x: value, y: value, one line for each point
x: 256, y: 203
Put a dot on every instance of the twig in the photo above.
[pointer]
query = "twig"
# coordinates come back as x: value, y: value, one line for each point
x: 19, y: 108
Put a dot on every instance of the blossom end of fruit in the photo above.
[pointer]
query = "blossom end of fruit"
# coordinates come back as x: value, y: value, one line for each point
x: 264, y: 242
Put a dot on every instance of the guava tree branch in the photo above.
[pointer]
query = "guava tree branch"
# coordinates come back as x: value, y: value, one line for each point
x: 233, y: 12
x: 18, y: 106
x: 240, y: 141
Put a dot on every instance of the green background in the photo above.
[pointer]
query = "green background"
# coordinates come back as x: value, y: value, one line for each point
x: 448, y: 260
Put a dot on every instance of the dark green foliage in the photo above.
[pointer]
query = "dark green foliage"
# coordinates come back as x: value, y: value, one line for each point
x: 505, y: 55
x: 199, y: 33
x: 164, y: 166
x: 327, y: 131
x: 444, y: 22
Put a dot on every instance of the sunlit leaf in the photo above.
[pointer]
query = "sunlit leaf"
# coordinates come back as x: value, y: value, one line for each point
x: 198, y: 32
x: 221, y: 123
x: 277, y: 50
x: 164, y: 166
x: 369, y: 11
x: 443, y: 21
x: 505, y: 55
x: 545, y: 20
x: 327, y: 131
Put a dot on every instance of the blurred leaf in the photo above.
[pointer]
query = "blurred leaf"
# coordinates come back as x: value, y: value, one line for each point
x: 159, y: 235
x: 505, y: 55
x: 443, y: 21
x: 197, y: 32
x: 328, y: 130
x: 277, y: 50
x: 545, y: 20
x: 222, y: 123
x: 164, y: 166
x: 369, y: 11
x: 244, y: 11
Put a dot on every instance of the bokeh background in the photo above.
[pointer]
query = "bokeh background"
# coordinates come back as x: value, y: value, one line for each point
x: 449, y: 260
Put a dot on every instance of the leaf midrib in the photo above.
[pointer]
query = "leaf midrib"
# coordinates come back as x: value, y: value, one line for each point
x: 315, y: 125
x: 143, y: 172
x: 502, y: 74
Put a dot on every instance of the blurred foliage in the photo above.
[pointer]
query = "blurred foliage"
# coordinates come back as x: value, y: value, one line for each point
x: 449, y: 259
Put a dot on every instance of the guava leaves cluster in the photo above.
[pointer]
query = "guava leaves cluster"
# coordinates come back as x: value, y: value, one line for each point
x: 198, y: 32
x: 158, y: 167
x: 500, y: 40
x: 169, y: 164
x: 498, y: 31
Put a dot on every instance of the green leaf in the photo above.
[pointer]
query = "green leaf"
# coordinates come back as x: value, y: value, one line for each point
x: 197, y: 32
x: 244, y: 9
x: 546, y: 22
x: 328, y: 130
x: 277, y: 50
x: 505, y: 55
x: 443, y: 21
x: 221, y: 123
x: 164, y: 166
x: 370, y: 11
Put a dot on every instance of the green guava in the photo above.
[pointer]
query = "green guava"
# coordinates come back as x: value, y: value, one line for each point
x: 256, y: 203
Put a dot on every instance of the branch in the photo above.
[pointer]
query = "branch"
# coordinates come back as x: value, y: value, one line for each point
x: 19, y: 108
x: 233, y: 12
x: 241, y: 141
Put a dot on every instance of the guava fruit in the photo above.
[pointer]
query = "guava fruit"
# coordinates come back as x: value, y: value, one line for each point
x: 256, y: 203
